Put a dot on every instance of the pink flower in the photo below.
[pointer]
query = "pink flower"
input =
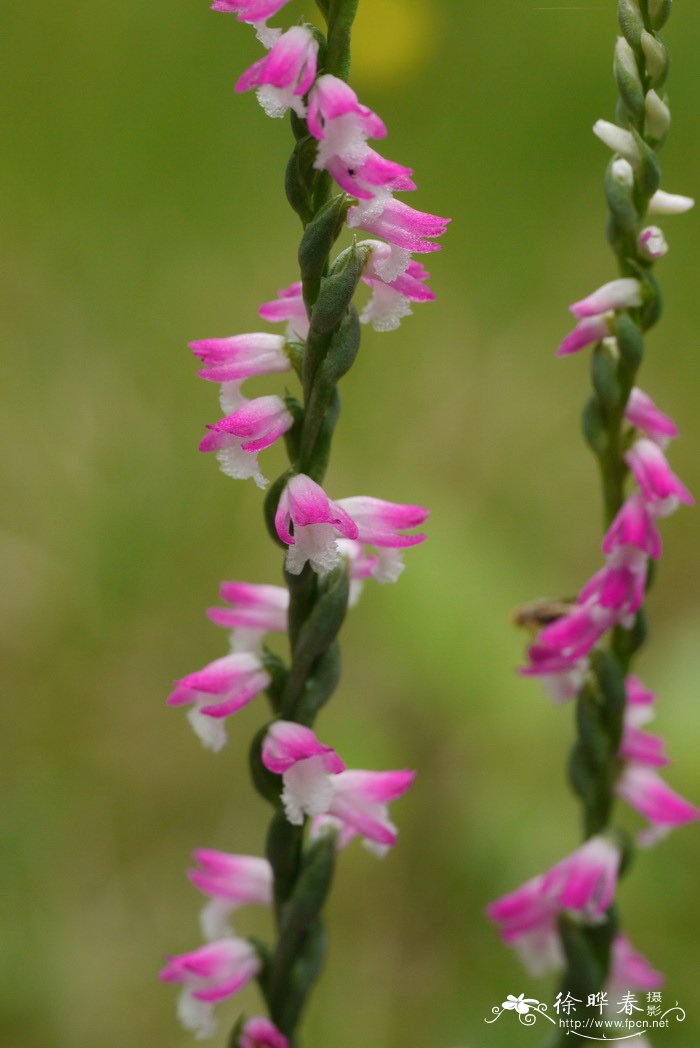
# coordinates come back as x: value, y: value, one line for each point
x: 317, y: 784
x: 398, y: 223
x: 210, y: 974
x: 289, y: 305
x: 396, y: 281
x: 363, y: 178
x: 238, y: 438
x: 642, y: 413
x: 661, y: 488
x: 380, y: 523
x: 230, y: 881
x: 634, y: 527
x: 583, y: 883
x: 261, y: 1033
x: 317, y: 522
x: 560, y: 678
x: 570, y: 637
x: 359, y: 806
x: 586, y: 332
x: 630, y: 970
x: 652, y: 243
x: 616, y: 592
x: 339, y: 122
x: 625, y: 293
x: 646, y: 791
x: 637, y: 745
x: 285, y: 74
x: 256, y: 610
x: 221, y: 688
x: 241, y: 356
x: 250, y: 10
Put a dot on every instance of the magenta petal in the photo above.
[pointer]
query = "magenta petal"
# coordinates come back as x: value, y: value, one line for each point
x: 287, y: 743
x: 647, y: 792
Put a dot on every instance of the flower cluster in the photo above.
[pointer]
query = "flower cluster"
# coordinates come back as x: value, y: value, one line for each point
x: 582, y: 887
x: 612, y: 597
x: 341, y: 125
x: 332, y: 546
x: 343, y: 803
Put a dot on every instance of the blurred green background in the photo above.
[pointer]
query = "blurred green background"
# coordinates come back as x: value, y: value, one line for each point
x: 143, y: 208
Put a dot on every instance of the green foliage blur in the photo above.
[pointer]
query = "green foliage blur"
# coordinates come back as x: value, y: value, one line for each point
x: 142, y: 208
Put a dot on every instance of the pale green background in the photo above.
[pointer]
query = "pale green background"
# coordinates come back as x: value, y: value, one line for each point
x: 143, y: 208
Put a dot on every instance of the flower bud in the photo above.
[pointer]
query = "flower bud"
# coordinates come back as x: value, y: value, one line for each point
x: 629, y: 83
x: 655, y: 57
x: 657, y: 117
x: 659, y: 11
x: 631, y: 21
x: 652, y: 243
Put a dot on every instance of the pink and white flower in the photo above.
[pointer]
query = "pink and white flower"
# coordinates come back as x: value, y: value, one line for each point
x: 646, y: 792
x: 587, y: 332
x: 210, y: 974
x: 661, y: 488
x: 642, y: 413
x: 340, y: 123
x: 359, y: 806
x: 652, y: 243
x: 630, y: 970
x: 616, y: 592
x: 398, y: 223
x: 289, y: 306
x: 634, y: 527
x: 365, y: 178
x: 317, y: 522
x: 625, y: 293
x: 261, y: 1033
x: 230, y: 881
x: 219, y: 689
x: 637, y: 745
x: 561, y: 679
x: 380, y: 523
x: 285, y: 74
x: 237, y: 439
x: 396, y: 281
x: 250, y: 10
x: 241, y: 356
x: 584, y: 883
x: 256, y: 610
x: 317, y: 784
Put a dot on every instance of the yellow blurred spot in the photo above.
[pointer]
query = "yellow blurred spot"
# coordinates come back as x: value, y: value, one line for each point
x: 392, y: 38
